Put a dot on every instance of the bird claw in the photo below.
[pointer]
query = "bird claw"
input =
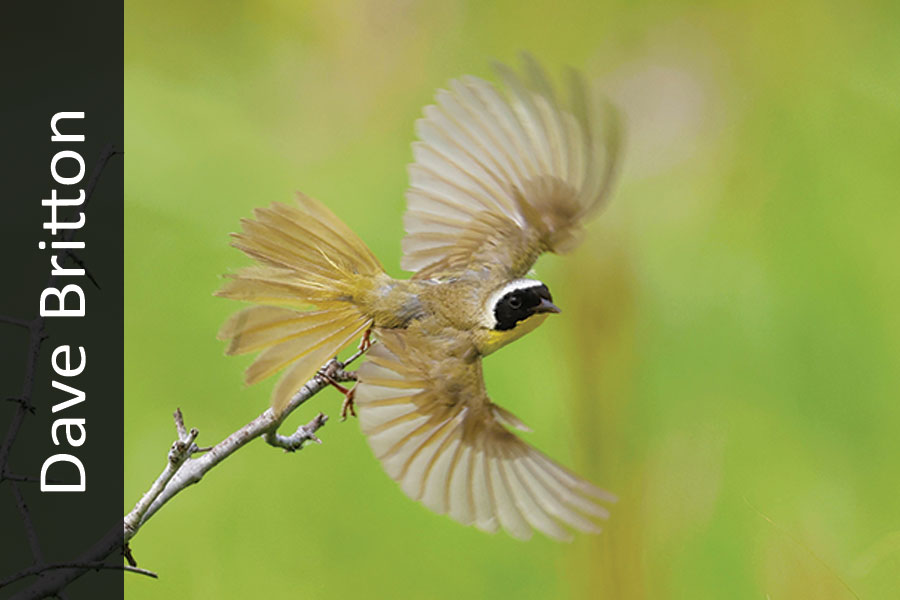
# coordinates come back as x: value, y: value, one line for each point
x: 348, y: 404
x: 366, y: 342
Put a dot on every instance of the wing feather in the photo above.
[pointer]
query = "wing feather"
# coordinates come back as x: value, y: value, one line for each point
x: 422, y: 460
x: 461, y: 159
x: 496, y: 141
x: 489, y: 142
x: 505, y: 503
x: 529, y: 116
x: 434, y: 495
x: 526, y: 503
x: 551, y: 500
x: 482, y: 495
x: 538, y: 165
x: 460, y: 504
x: 425, y: 412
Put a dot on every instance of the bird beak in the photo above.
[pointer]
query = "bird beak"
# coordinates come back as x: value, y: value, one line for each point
x: 546, y: 307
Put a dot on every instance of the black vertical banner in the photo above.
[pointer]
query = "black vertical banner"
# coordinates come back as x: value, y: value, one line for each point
x: 61, y: 292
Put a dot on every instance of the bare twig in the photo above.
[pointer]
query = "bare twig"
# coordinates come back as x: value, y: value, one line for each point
x: 24, y: 478
x: 87, y: 566
x: 304, y: 433
x: 181, y: 471
x: 24, y: 400
x: 28, y: 524
x: 186, y: 470
x: 179, y: 425
x: 178, y: 454
x: 77, y: 260
x: 14, y: 321
x: 51, y: 583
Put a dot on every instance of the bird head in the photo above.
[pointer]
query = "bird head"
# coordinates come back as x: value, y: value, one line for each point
x: 516, y: 302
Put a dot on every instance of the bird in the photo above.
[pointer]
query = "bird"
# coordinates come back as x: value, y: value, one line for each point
x: 500, y: 175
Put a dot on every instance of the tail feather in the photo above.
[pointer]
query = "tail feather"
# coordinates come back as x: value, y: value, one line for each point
x: 268, y: 285
x: 307, y: 258
x: 258, y: 327
x: 270, y: 241
x: 338, y: 234
x: 327, y: 336
x: 306, y: 366
x: 312, y: 225
x: 273, y: 247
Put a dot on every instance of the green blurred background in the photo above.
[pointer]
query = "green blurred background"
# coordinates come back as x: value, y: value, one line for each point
x: 727, y: 359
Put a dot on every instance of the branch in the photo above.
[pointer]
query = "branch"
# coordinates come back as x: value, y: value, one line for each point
x: 184, y: 469
x: 24, y: 478
x: 50, y: 584
x: 29, y: 525
x: 181, y: 471
x: 304, y: 433
x: 179, y: 452
x: 86, y: 566
x: 14, y: 321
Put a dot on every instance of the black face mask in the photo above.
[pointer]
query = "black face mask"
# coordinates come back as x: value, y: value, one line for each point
x: 518, y: 305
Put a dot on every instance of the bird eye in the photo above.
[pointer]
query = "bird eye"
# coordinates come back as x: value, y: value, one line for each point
x: 515, y: 302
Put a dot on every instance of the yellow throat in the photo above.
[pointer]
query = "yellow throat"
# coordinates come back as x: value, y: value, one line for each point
x: 490, y: 340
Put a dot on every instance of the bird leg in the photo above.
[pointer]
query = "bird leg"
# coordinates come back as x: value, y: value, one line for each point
x: 329, y: 371
x: 347, y: 406
x: 366, y: 342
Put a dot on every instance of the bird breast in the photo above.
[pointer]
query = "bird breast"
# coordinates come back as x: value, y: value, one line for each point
x: 491, y: 340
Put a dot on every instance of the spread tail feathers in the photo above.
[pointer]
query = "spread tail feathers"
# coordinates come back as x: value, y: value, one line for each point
x: 307, y: 257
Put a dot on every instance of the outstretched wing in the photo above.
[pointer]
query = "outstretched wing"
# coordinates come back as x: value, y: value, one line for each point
x: 499, y: 178
x: 427, y: 416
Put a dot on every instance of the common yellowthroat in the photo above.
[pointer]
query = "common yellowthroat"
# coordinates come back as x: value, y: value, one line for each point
x: 499, y: 177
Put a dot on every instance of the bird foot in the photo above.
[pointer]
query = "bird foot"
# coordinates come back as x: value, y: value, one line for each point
x: 366, y: 342
x: 348, y: 405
